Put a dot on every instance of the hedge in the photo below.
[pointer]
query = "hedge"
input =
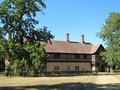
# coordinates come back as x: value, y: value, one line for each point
x: 116, y: 71
x: 67, y: 73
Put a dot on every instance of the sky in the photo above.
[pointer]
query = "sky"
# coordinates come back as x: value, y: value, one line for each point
x: 77, y: 17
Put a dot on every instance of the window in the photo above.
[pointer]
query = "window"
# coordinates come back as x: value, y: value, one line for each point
x: 85, y: 56
x: 68, y: 56
x: 77, y: 56
x: 50, y: 56
x: 63, y: 56
x: 56, y: 56
x: 68, y: 68
x: 82, y: 68
x: 56, y: 68
x: 77, y: 68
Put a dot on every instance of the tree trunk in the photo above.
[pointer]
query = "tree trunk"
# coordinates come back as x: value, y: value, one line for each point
x: 7, y: 64
x: 21, y: 40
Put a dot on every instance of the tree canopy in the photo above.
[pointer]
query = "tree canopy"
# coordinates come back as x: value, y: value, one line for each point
x: 22, y: 51
x: 110, y: 33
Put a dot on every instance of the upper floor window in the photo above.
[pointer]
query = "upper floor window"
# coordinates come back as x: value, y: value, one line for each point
x: 50, y: 56
x: 77, y: 56
x: 85, y: 56
x: 68, y: 56
x: 56, y: 56
x: 63, y: 56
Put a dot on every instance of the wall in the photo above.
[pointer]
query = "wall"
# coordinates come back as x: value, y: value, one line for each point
x: 96, y: 61
x: 63, y: 65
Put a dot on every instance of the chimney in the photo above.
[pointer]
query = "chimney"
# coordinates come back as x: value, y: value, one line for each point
x: 67, y: 37
x: 82, y: 39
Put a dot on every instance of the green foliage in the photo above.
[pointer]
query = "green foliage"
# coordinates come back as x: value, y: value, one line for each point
x: 111, y: 35
x: 116, y: 71
x: 67, y: 73
x: 22, y: 51
x: 17, y: 17
x: 1, y: 64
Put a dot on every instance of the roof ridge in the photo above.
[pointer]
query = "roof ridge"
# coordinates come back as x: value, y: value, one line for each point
x: 72, y: 42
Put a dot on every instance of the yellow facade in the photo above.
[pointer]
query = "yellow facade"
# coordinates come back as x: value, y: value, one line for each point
x: 63, y: 65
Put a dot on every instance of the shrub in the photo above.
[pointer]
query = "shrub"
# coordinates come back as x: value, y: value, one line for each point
x: 116, y: 71
x: 65, y: 73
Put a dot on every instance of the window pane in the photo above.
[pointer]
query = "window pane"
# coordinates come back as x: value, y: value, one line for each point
x: 85, y: 56
x: 56, y: 56
x: 76, y: 67
x: 77, y: 56
x: 68, y: 56
x: 50, y: 56
x: 68, y: 68
x: 56, y: 67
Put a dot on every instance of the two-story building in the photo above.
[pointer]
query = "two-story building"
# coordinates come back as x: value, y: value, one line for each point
x: 67, y: 55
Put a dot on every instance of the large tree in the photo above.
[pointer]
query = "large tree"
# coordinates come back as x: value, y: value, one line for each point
x: 1, y: 55
x: 21, y: 49
x: 110, y: 33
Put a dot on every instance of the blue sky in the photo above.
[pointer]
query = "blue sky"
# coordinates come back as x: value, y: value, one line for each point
x: 77, y: 17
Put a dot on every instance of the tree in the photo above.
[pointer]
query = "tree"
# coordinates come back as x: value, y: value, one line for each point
x: 18, y: 19
x: 110, y: 33
x: 1, y: 55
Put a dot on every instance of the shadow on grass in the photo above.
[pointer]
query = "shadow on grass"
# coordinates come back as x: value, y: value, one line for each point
x: 67, y: 86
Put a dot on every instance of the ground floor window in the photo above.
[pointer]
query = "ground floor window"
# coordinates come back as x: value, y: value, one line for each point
x: 56, y: 68
x: 77, y: 68
x: 68, y: 68
x: 82, y: 68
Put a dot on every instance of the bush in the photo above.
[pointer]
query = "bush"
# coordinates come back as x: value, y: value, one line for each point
x: 65, y: 73
x: 47, y: 73
x: 2, y: 65
x: 116, y: 71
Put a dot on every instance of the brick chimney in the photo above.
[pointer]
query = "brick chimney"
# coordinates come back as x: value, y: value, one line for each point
x: 82, y: 39
x: 67, y: 37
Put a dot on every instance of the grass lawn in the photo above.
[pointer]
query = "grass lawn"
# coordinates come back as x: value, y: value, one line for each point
x: 85, y: 82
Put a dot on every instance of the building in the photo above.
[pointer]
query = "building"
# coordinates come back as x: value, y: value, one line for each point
x: 70, y: 56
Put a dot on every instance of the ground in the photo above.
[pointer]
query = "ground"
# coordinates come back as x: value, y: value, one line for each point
x: 86, y: 82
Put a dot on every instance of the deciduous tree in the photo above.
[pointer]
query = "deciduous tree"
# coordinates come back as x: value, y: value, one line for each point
x: 110, y: 33
x: 18, y: 20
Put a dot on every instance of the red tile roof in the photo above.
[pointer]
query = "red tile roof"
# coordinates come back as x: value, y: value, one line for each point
x: 70, y: 47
